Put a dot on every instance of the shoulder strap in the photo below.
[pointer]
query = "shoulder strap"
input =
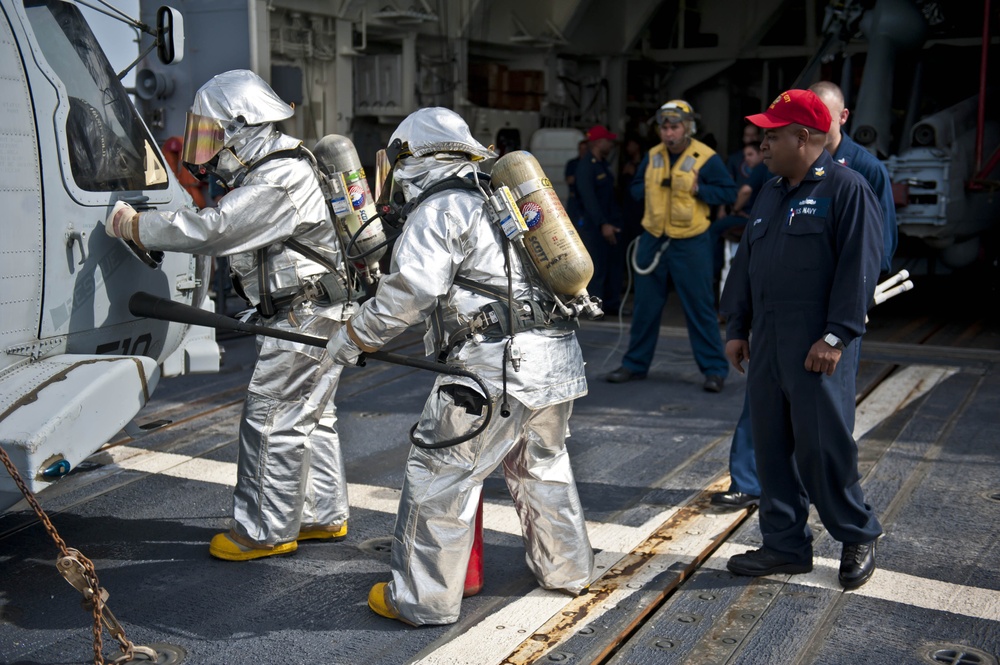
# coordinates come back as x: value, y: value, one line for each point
x: 451, y: 182
x: 310, y: 253
x: 288, y: 153
x: 482, y: 289
x: 266, y: 307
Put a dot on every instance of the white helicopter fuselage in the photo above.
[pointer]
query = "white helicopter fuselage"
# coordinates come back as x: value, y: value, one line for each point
x: 76, y: 365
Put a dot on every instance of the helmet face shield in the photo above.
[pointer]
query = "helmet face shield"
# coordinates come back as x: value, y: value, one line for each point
x: 383, y: 168
x: 204, y: 137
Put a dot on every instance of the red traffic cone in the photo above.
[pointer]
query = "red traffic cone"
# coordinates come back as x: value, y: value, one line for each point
x: 474, y: 574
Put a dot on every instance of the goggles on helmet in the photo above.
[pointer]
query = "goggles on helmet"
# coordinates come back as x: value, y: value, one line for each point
x: 204, y: 137
x: 673, y: 112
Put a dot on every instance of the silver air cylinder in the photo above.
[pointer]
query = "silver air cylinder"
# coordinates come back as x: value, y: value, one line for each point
x: 352, y: 200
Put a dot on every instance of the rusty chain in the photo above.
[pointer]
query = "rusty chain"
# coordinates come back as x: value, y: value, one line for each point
x: 79, y: 571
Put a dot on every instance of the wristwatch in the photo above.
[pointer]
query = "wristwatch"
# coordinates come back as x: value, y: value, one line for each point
x: 834, y: 341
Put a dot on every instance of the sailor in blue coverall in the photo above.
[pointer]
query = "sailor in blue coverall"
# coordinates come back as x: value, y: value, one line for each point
x: 802, y: 281
x: 744, y: 488
x: 601, y: 222
x: 679, y: 179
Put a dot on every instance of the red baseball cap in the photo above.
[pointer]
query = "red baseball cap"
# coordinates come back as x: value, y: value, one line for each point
x: 803, y: 107
x: 600, y: 132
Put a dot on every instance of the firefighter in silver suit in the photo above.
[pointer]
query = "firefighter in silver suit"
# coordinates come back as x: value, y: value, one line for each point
x: 275, y: 226
x: 447, y: 245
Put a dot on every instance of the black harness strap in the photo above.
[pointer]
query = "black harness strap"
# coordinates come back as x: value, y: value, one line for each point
x: 310, y: 253
x: 498, y: 319
x: 267, y: 307
x: 482, y: 289
x: 395, y: 215
x: 288, y: 153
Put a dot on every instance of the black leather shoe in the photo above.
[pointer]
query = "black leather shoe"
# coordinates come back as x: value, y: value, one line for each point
x: 623, y: 374
x: 714, y: 384
x: 756, y: 563
x: 857, y: 563
x: 734, y: 499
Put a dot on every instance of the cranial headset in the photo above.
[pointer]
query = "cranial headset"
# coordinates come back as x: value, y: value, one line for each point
x: 676, y: 111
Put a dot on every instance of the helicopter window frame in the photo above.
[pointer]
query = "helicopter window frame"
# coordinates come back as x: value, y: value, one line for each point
x: 109, y: 148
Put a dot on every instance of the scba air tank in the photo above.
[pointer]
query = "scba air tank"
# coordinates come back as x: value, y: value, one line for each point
x: 551, y: 241
x: 351, y: 199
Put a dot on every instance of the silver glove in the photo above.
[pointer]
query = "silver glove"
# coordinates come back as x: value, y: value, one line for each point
x: 342, y: 349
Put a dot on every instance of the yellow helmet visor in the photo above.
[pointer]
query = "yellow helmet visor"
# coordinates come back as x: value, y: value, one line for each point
x: 204, y: 137
x: 382, y: 170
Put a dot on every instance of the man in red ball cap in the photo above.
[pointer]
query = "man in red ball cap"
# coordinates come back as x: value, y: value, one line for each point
x: 802, y: 281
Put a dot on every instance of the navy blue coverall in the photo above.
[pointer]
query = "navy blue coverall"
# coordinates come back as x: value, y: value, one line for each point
x: 595, y: 189
x: 807, y: 265
x: 856, y: 158
x: 742, y: 467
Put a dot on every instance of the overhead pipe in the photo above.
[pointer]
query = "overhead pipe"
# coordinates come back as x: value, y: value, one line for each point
x: 891, y: 27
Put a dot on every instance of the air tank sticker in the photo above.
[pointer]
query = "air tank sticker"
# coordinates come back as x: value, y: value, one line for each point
x: 532, y: 213
x: 357, y: 194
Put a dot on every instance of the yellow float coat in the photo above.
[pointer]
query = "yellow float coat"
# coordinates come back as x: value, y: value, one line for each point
x: 673, y: 210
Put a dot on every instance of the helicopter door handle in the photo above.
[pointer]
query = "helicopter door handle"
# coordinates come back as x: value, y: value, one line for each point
x: 73, y: 236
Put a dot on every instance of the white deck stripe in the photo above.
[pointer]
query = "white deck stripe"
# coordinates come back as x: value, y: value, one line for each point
x: 888, y: 585
x: 504, y: 519
x: 897, y: 392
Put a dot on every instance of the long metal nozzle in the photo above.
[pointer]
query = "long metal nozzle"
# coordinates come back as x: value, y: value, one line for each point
x: 154, y: 307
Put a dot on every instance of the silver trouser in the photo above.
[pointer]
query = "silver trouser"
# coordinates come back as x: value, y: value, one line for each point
x: 437, y: 509
x: 326, y: 489
x: 290, y: 468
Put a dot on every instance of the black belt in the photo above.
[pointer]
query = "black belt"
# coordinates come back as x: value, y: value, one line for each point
x: 491, y: 323
x: 325, y: 291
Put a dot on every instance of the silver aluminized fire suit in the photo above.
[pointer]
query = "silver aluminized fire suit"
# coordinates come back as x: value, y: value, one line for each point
x: 448, y: 236
x: 290, y: 470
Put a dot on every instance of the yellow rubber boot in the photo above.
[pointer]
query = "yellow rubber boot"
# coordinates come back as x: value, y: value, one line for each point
x: 224, y: 546
x: 319, y: 532
x: 379, y: 604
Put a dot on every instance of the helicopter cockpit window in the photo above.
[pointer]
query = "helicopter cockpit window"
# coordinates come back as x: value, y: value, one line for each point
x: 109, y: 148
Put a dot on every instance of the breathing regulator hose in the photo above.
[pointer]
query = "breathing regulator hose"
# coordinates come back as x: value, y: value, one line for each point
x: 153, y: 307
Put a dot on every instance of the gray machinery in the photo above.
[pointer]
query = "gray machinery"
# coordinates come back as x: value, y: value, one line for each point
x: 941, y: 196
x: 945, y: 169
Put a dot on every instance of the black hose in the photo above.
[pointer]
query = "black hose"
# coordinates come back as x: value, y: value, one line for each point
x: 352, y: 242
